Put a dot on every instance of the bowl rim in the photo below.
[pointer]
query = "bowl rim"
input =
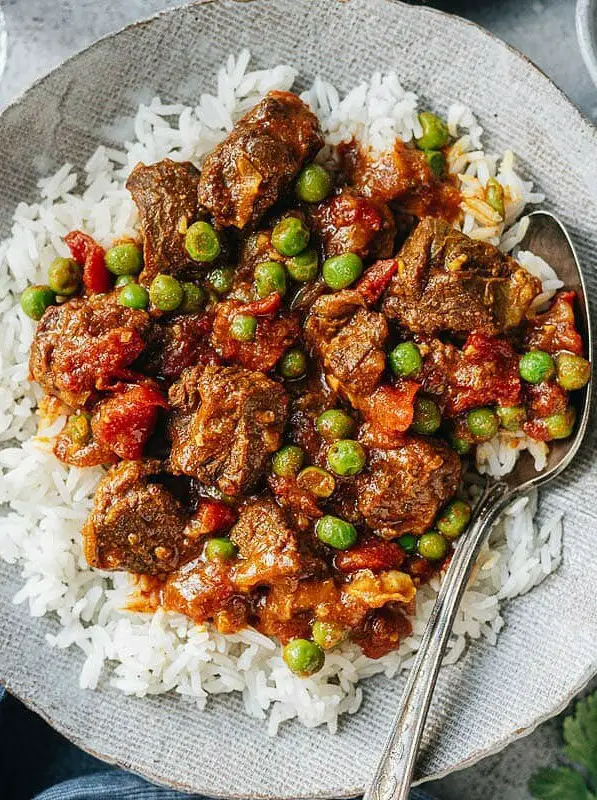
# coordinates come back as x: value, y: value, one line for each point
x: 591, y: 672
x: 586, y: 32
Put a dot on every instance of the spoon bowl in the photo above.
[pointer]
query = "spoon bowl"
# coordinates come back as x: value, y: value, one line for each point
x: 548, y: 238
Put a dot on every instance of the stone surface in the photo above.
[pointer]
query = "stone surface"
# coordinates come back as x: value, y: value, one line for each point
x: 41, y: 33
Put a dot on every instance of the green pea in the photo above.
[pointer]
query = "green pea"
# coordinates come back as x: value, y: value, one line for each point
x: 454, y: 519
x: 328, y: 634
x: 287, y: 461
x: 427, y: 417
x: 290, y: 236
x: 303, y: 657
x: 133, y: 296
x: 313, y: 184
x: 334, y: 424
x: 561, y: 425
x: 461, y: 446
x: 335, y: 532
x: 408, y: 543
x: 78, y: 429
x: 340, y: 271
x: 405, y: 360
x: 536, y: 366
x: 202, y: 243
x: 166, y: 293
x: 243, y: 328
x: 36, y: 299
x: 511, y: 418
x: 346, y: 457
x: 483, y: 423
x: 317, y: 481
x: 270, y: 276
x: 435, y: 132
x: 124, y: 280
x: 221, y: 279
x: 573, y: 371
x: 64, y: 276
x: 124, y: 259
x: 304, y: 267
x: 220, y: 549
x: 432, y: 546
x: 293, y: 363
x: 436, y: 161
x: 193, y: 298
x: 494, y: 195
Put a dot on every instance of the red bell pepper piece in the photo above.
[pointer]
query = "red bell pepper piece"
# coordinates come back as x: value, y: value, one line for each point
x: 266, y: 307
x: 91, y: 256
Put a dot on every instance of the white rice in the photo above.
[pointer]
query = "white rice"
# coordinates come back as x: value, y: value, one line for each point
x: 47, y: 502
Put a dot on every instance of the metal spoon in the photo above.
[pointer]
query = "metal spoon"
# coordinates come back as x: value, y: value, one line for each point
x: 548, y: 238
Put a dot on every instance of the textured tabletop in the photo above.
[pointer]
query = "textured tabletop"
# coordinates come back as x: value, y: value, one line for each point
x: 41, y: 33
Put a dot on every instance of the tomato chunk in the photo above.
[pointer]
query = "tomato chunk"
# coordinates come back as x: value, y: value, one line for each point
x: 213, y: 516
x: 376, y: 279
x: 125, y: 421
x: 91, y: 256
x: 373, y: 553
x: 392, y: 407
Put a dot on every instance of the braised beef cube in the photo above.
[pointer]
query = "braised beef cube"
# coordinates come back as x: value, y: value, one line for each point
x: 85, y: 345
x: 268, y: 547
x: 347, y: 223
x: 382, y: 631
x: 349, y: 339
x: 136, y: 524
x: 484, y: 372
x: 403, y: 488
x: 400, y: 176
x: 227, y: 422
x: 555, y: 330
x: 179, y: 342
x: 449, y: 282
x: 203, y: 590
x: 250, y: 170
x: 166, y: 196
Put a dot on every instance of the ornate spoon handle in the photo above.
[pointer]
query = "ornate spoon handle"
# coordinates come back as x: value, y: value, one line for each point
x: 392, y: 780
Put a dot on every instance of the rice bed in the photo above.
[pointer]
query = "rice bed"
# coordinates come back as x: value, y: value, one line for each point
x: 47, y: 502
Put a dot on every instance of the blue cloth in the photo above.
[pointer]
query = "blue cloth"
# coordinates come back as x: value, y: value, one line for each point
x: 36, y: 763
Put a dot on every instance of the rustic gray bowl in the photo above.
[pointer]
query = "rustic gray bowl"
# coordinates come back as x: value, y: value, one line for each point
x: 548, y: 649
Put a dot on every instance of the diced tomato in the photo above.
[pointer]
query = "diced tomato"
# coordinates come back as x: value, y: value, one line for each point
x: 488, y: 373
x: 544, y: 399
x: 266, y: 307
x: 555, y: 330
x: 213, y: 516
x: 91, y: 256
x: 376, y: 279
x: 125, y: 421
x: 537, y: 429
x: 392, y: 407
x: 373, y: 553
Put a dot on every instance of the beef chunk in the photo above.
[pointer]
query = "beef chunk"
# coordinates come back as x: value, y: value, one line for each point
x: 347, y: 222
x: 178, y: 342
x: 349, y: 340
x: 403, y: 488
x: 136, y: 525
x: 267, y: 545
x: 83, y: 346
x: 449, y: 282
x: 227, y: 422
x: 400, y: 175
x: 166, y: 196
x: 248, y: 172
x: 483, y: 373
